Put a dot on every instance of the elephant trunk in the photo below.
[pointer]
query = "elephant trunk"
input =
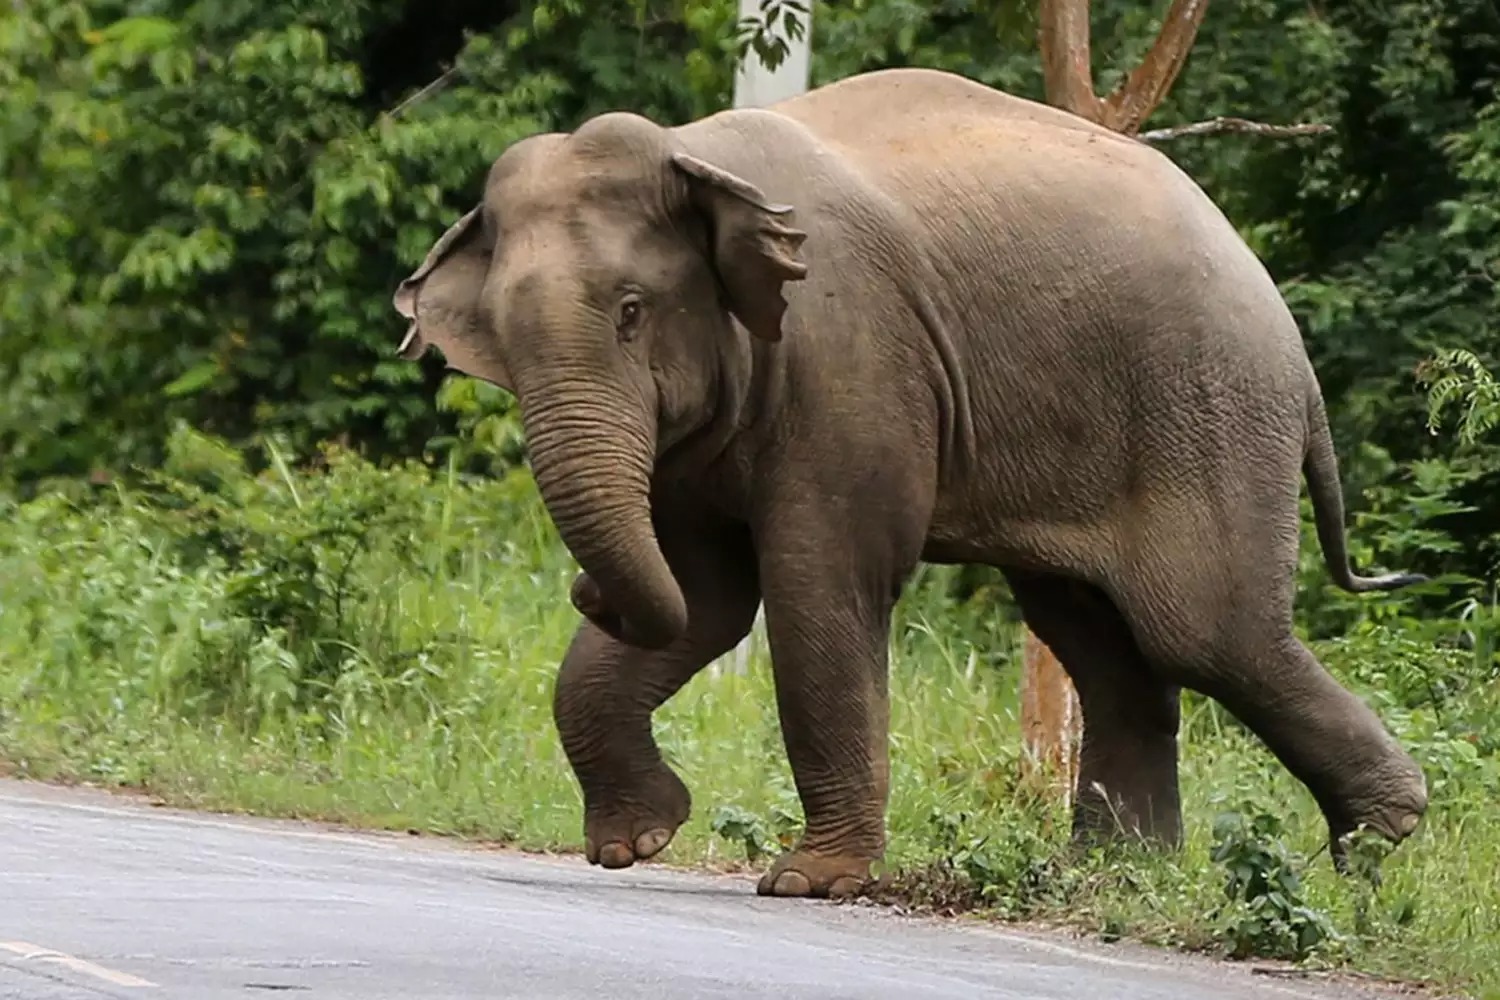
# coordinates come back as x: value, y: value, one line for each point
x: 592, y: 457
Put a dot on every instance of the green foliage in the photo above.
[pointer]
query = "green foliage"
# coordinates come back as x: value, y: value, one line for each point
x: 252, y: 595
x: 763, y: 35
x: 1267, y: 914
x: 1406, y: 520
x: 288, y: 562
x: 1014, y: 869
x: 1457, y: 376
x: 993, y: 42
x: 202, y: 216
x: 751, y: 833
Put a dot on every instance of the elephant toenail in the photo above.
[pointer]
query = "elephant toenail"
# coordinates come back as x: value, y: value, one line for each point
x: 792, y: 884
x: 591, y: 850
x: 846, y: 886
x: 1409, y: 823
x: 616, y: 855
x: 652, y: 841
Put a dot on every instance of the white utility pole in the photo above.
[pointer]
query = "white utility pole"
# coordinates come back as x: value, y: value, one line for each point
x: 756, y: 86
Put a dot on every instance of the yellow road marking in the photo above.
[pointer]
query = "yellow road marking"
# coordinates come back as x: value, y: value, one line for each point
x: 33, y: 952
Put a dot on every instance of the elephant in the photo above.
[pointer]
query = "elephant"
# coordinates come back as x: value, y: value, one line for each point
x: 775, y: 357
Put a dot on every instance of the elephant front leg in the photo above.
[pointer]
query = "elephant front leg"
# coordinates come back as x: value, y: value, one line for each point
x: 828, y: 624
x: 607, y: 691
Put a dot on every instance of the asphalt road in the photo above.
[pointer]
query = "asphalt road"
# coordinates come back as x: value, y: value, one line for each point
x: 109, y: 897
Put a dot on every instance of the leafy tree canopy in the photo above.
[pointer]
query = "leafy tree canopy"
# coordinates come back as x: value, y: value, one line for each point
x: 205, y: 204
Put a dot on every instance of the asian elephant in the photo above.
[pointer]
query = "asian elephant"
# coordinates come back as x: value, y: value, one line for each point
x: 781, y: 355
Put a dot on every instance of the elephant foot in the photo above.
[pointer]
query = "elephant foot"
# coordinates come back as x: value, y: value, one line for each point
x: 638, y: 826
x: 1146, y: 811
x: 1106, y: 827
x: 819, y: 876
x: 1393, y: 812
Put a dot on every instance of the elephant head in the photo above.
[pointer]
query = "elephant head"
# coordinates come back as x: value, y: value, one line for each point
x: 599, y: 279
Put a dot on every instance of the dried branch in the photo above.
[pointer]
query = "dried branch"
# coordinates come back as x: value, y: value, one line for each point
x: 1063, y: 37
x: 432, y: 89
x: 1223, y: 125
x: 1133, y: 101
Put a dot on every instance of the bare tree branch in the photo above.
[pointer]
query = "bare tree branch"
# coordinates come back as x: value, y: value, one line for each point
x: 1223, y: 125
x: 1134, y: 100
x: 432, y: 89
x: 1063, y: 37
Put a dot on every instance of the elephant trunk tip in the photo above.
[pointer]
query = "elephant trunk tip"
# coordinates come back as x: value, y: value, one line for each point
x: 658, y: 630
x: 651, y: 629
x: 632, y: 592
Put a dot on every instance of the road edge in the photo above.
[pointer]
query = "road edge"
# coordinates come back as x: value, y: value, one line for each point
x: 1058, y: 938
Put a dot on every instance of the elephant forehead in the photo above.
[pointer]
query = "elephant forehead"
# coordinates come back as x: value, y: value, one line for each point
x: 520, y: 159
x: 531, y: 305
x: 574, y: 198
x: 547, y: 271
x: 573, y: 237
x: 559, y: 179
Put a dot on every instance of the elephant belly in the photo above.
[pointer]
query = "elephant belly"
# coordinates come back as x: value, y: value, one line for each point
x: 1046, y: 521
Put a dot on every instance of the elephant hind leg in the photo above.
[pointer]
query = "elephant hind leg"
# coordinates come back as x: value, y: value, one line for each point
x: 1211, y: 610
x: 1127, y: 776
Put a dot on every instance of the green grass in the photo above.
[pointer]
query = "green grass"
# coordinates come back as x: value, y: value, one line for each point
x: 378, y: 647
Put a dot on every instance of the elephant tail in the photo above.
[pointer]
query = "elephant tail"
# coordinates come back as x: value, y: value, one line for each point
x: 1321, y: 467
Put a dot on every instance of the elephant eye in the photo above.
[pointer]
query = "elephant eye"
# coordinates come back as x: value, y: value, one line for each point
x: 628, y: 315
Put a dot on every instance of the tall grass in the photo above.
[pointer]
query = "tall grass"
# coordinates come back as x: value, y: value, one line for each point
x: 379, y: 647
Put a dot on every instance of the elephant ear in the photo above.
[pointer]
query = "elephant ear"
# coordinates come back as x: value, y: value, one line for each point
x: 441, y: 301
x: 754, y: 249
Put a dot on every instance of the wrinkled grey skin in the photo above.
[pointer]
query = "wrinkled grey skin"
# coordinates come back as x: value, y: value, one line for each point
x: 782, y: 355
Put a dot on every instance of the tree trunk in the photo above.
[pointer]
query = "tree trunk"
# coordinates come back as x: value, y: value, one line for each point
x: 1051, y: 717
x: 1051, y: 722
